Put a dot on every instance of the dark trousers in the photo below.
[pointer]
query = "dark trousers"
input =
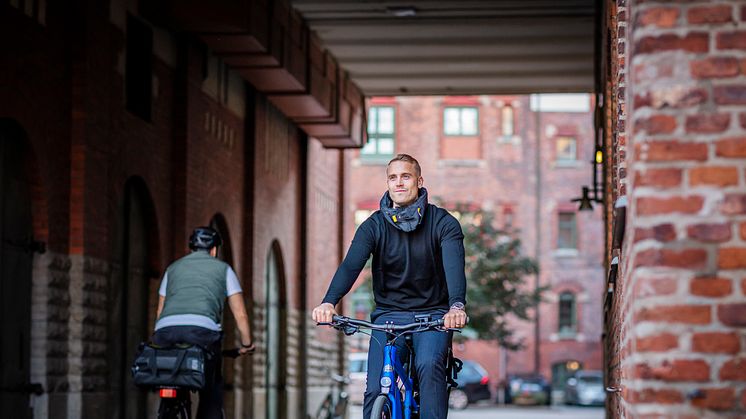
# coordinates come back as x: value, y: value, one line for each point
x: 431, y: 357
x: 211, y: 396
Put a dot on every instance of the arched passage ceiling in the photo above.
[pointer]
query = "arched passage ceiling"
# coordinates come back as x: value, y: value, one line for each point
x: 459, y: 47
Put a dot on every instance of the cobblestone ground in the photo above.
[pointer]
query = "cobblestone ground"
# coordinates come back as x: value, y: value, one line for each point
x: 511, y: 412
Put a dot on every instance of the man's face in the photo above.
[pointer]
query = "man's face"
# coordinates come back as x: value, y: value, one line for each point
x: 403, y: 183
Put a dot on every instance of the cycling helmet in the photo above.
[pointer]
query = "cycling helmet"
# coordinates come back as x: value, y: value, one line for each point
x: 204, y: 238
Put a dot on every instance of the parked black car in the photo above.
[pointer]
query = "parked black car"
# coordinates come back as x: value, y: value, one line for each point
x: 527, y: 389
x: 473, y: 385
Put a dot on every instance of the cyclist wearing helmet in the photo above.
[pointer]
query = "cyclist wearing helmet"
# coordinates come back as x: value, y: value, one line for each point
x: 418, y: 269
x: 190, y: 308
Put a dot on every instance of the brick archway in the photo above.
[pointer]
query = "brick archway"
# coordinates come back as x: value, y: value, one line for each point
x: 231, y: 368
x: 131, y: 290
x: 275, y: 326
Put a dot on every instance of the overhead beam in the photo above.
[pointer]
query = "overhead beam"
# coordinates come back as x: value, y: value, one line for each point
x: 494, y: 51
x: 461, y: 41
x: 455, y: 29
x: 316, y: 5
x: 459, y: 47
x: 573, y: 83
x: 465, y: 68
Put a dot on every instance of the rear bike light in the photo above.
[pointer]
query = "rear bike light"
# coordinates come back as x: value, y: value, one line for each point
x: 167, y: 393
x: 484, y: 380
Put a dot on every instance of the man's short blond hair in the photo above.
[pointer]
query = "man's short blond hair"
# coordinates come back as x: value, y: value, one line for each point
x: 409, y: 159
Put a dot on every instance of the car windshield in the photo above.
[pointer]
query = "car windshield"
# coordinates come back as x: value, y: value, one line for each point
x: 531, y: 387
x: 469, y: 370
x: 475, y: 367
x: 357, y: 365
x: 590, y: 379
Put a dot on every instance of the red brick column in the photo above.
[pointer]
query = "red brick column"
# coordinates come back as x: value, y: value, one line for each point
x: 681, y: 311
x: 615, y: 124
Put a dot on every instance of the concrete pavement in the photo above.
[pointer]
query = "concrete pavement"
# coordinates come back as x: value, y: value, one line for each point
x: 491, y: 411
x: 527, y: 412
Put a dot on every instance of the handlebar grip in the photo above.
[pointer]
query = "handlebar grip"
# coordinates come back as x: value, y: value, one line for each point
x: 231, y: 353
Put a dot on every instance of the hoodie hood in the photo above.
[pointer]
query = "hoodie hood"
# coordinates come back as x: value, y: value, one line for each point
x: 405, y: 218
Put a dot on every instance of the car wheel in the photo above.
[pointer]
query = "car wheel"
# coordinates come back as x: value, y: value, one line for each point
x: 458, y: 399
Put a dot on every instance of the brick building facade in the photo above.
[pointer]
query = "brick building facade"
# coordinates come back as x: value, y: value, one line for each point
x: 493, y: 163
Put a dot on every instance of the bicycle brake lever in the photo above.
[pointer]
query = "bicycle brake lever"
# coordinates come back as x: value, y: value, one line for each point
x: 350, y: 330
x: 444, y: 329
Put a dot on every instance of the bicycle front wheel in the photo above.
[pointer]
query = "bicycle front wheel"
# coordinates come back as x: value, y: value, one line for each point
x: 381, y: 408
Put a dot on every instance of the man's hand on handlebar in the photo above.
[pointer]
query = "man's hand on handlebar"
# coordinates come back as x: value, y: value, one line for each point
x: 240, y: 351
x: 243, y: 350
x: 323, y: 313
x: 455, y: 319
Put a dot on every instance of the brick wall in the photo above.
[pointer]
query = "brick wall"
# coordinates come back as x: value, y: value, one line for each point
x: 678, y: 313
x: 206, y: 151
x: 277, y: 189
x: 615, y: 138
x: 324, y: 249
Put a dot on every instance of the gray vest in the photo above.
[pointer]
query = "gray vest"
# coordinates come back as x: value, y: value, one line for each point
x: 196, y: 285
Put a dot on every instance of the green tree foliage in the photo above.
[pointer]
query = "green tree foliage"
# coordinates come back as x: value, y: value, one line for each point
x: 496, y: 273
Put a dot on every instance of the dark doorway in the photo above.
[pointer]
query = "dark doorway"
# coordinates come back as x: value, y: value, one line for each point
x: 130, y: 286
x: 563, y: 370
x: 16, y: 239
x: 275, y: 330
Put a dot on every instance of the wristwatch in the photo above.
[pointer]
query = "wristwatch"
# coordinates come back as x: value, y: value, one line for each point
x: 457, y: 306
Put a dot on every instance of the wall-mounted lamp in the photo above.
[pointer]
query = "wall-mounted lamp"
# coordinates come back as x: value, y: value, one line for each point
x: 593, y: 193
x: 585, y: 200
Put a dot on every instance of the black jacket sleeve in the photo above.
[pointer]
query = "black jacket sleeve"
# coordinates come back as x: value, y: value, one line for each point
x: 360, y: 250
x: 452, y: 248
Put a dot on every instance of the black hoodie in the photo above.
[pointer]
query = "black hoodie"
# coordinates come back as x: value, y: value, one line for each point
x: 416, y: 270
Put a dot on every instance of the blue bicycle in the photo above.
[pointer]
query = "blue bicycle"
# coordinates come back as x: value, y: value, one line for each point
x: 399, y: 398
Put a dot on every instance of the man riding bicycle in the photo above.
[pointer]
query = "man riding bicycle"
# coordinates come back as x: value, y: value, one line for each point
x: 418, y: 268
x: 190, y: 308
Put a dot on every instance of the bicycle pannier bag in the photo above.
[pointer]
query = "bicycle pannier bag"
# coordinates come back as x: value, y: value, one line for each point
x: 179, y: 366
x: 452, y: 369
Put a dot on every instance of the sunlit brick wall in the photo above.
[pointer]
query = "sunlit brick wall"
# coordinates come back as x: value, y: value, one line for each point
x: 682, y: 311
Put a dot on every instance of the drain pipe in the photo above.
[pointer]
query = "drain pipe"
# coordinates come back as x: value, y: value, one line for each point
x: 537, y: 226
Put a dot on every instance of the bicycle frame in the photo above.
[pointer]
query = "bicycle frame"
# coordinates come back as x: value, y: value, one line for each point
x: 393, y: 369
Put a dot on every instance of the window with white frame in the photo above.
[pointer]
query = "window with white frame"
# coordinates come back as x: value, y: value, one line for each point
x: 567, y: 317
x: 566, y: 149
x: 567, y: 231
x: 506, y: 121
x: 461, y: 121
x: 381, y: 128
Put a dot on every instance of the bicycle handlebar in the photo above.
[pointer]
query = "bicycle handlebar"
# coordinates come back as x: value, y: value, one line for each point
x: 386, y: 327
x: 233, y: 352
